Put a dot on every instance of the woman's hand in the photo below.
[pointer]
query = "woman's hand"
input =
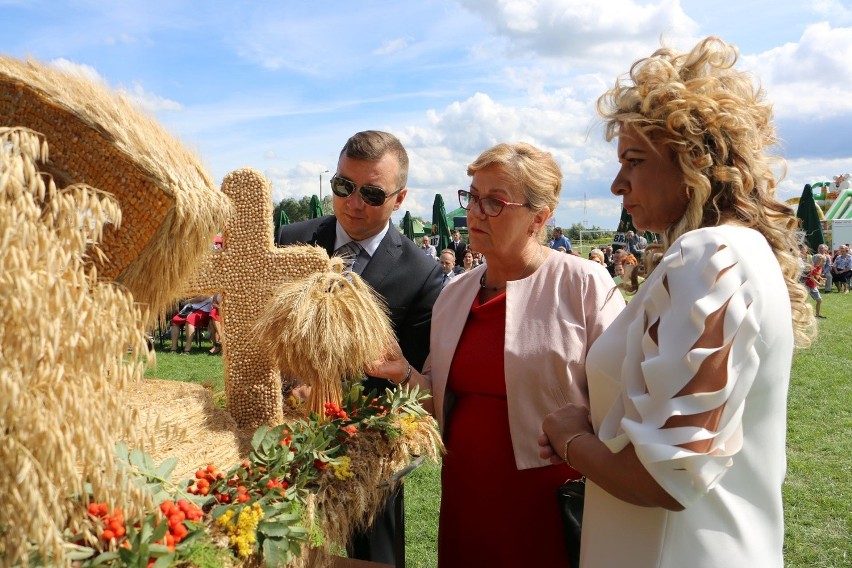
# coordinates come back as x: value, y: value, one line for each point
x: 559, y: 426
x: 546, y: 451
x: 393, y: 366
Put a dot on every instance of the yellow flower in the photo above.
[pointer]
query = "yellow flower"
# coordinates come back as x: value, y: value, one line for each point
x: 408, y: 424
x: 242, y: 531
x: 341, y: 468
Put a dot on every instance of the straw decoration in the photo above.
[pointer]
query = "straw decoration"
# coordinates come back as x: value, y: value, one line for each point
x: 64, y: 337
x: 324, y: 329
x: 186, y: 424
x: 170, y: 205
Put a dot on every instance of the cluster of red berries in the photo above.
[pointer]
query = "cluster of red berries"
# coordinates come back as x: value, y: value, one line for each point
x: 279, y: 484
x: 240, y: 487
x: 114, y: 527
x: 203, y: 479
x: 334, y: 411
x: 176, y: 514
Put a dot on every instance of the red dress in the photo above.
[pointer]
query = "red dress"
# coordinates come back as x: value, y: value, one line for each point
x: 492, y: 514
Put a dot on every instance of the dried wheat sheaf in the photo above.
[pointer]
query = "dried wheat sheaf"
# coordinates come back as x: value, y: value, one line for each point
x: 323, y: 329
x: 64, y: 361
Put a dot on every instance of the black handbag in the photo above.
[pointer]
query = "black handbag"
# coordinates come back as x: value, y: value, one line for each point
x: 571, y: 496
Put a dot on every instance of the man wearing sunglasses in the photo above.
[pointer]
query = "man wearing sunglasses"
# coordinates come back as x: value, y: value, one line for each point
x: 368, y: 186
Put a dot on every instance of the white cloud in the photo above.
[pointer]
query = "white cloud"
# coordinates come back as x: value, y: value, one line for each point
x: 809, y: 78
x: 120, y: 39
x: 392, y: 46
x: 149, y: 102
x: 800, y: 172
x: 613, y: 30
x: 297, y: 181
x: 80, y: 70
x: 834, y: 10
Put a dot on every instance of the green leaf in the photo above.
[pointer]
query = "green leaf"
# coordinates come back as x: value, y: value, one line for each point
x: 141, y: 460
x: 159, y: 532
x: 276, y: 552
x: 285, y: 518
x: 77, y: 552
x: 164, y: 561
x: 159, y: 549
x: 259, y: 435
x: 166, y: 468
x: 103, y: 558
x: 218, y: 511
x: 128, y: 556
x: 121, y: 452
x: 273, y: 529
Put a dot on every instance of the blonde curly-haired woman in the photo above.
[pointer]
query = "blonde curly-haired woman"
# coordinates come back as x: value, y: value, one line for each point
x: 684, y: 442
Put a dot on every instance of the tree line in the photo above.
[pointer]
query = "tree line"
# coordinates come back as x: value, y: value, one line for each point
x: 573, y: 232
x: 299, y: 209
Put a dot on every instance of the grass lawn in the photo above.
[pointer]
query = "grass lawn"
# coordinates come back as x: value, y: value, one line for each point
x: 818, y: 490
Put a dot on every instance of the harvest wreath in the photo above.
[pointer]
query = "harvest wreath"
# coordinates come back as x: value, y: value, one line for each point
x: 271, y: 508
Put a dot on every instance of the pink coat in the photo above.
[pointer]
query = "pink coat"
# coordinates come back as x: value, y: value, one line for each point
x: 552, y: 318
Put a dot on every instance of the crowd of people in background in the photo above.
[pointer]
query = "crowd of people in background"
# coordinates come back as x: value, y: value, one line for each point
x: 623, y: 263
x: 823, y: 272
x: 823, y: 269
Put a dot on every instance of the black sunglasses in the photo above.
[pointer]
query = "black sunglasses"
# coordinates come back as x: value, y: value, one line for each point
x: 371, y: 194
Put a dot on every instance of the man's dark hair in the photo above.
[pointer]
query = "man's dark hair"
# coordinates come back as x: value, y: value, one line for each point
x: 372, y: 145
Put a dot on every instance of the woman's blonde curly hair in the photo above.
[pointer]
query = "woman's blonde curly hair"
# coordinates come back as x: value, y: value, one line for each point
x: 719, y: 126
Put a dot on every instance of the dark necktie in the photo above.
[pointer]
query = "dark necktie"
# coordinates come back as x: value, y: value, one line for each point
x: 353, y: 252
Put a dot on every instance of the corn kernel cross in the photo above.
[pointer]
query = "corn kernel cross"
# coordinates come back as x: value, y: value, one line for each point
x: 246, y: 272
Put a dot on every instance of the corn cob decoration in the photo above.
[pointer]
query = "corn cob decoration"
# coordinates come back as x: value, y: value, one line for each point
x: 169, y: 204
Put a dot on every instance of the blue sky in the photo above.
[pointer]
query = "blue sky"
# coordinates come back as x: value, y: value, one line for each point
x: 279, y: 86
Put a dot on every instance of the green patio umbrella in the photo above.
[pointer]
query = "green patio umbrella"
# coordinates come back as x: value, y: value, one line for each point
x: 439, y: 223
x: 315, y: 209
x: 456, y: 214
x: 408, y: 225
x: 625, y: 223
x: 283, y: 219
x: 809, y: 216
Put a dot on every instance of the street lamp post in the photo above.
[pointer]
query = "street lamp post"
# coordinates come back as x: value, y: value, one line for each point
x: 320, y: 193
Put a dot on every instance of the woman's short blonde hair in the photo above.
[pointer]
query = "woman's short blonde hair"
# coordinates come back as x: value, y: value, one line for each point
x: 719, y: 126
x: 534, y: 170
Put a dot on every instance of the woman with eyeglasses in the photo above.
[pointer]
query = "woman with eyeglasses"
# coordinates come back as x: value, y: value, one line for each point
x: 508, y: 346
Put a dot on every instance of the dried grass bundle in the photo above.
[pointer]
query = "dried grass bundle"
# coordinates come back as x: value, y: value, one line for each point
x: 323, y: 329
x: 98, y: 138
x: 185, y: 424
x: 64, y: 364
x: 350, y: 505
